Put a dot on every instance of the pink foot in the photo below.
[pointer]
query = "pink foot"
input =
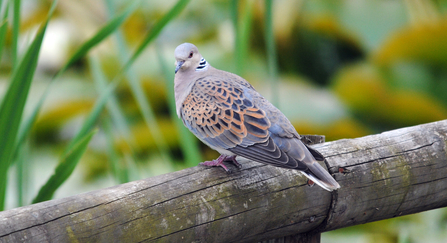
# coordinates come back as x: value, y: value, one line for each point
x: 233, y: 159
x: 219, y: 162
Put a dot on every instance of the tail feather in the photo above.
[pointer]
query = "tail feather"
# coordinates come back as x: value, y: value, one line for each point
x: 317, y: 155
x: 321, y: 177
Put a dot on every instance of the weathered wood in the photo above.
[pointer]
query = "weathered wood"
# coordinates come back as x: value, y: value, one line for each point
x: 381, y: 176
x: 395, y: 173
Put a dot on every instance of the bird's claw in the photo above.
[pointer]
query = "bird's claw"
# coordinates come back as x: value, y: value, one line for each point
x: 233, y: 159
x: 219, y: 162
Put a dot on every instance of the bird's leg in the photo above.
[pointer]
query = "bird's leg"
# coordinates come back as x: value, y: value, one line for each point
x: 233, y: 159
x: 219, y: 162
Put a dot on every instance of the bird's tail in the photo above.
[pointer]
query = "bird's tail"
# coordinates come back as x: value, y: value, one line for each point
x: 320, y: 176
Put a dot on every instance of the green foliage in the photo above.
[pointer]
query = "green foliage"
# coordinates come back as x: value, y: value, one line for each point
x: 120, y: 172
x: 80, y: 52
x: 27, y: 124
x: 3, y: 28
x: 11, y: 108
x: 271, y: 51
x: 74, y: 150
x: 243, y: 27
x: 15, y: 30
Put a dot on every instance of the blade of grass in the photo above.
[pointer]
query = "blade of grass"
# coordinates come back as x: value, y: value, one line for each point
x: 112, y: 105
x: 271, y: 52
x: 66, y: 166
x: 188, y: 143
x: 26, y: 124
x: 13, y: 103
x: 103, y: 33
x: 22, y: 175
x: 3, y: 28
x: 243, y: 37
x: 234, y: 11
x: 15, y: 32
x: 120, y: 171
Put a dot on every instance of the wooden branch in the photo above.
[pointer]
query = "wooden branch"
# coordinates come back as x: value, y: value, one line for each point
x: 381, y: 176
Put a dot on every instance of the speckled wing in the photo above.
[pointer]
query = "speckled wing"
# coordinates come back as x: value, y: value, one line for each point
x: 224, y: 115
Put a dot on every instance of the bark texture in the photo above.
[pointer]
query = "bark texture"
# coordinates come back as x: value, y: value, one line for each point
x: 382, y: 176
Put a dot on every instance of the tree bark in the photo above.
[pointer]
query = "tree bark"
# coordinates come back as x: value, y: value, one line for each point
x: 382, y: 176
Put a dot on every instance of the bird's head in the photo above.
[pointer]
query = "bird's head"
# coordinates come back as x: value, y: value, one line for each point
x: 187, y: 57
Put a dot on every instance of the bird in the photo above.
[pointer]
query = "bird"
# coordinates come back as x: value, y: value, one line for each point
x: 225, y: 112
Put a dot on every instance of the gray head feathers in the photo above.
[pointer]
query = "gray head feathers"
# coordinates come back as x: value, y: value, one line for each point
x: 187, y: 57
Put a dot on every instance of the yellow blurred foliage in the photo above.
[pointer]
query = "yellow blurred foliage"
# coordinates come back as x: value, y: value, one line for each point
x: 361, y: 88
x: 155, y: 93
x: 143, y: 139
x: 422, y: 42
x: 135, y: 27
x: 412, y: 108
x: 59, y: 114
x: 343, y: 128
x: 365, y: 92
x: 35, y: 18
x: 94, y: 165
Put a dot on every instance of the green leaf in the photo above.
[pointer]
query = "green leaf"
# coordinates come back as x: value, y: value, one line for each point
x: 181, y: 4
x: 65, y: 168
x: 117, y: 115
x: 22, y: 174
x: 15, y: 32
x: 27, y: 124
x: 271, y: 52
x: 118, y: 166
x: 234, y: 9
x: 3, y: 29
x: 13, y: 103
x: 243, y: 37
x: 120, y: 170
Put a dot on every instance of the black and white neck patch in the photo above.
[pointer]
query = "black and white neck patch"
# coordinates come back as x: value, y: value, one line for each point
x: 202, y: 65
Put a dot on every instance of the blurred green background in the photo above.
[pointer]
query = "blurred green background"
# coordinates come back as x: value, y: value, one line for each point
x: 344, y: 69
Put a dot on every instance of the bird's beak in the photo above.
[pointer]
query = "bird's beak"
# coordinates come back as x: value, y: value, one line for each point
x: 179, y: 65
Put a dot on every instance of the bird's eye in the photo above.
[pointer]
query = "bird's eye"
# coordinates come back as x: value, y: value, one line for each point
x: 190, y: 55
